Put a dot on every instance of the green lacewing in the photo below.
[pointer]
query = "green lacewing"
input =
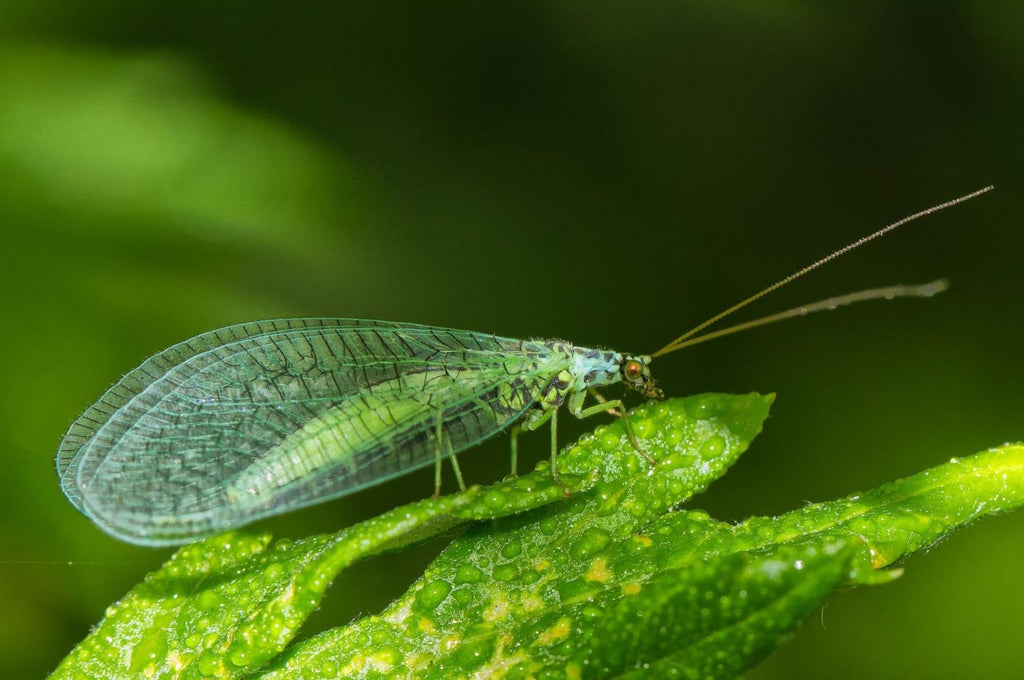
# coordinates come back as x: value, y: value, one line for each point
x: 257, y: 419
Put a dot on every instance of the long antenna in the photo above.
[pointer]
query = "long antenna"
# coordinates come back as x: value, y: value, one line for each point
x: 678, y: 342
x: 924, y: 290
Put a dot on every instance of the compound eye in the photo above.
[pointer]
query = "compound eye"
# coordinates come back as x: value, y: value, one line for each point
x: 633, y: 370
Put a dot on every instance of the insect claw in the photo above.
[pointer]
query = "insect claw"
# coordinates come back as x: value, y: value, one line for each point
x: 646, y: 456
x: 559, y: 482
x: 636, y: 444
x: 639, y: 449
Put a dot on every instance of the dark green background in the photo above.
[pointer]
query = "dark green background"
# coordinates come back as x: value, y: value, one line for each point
x: 609, y: 173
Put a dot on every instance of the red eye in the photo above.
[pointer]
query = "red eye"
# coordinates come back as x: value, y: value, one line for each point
x: 633, y: 369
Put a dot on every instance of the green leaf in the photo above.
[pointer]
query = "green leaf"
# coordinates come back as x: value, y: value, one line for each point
x: 145, y: 134
x: 608, y: 582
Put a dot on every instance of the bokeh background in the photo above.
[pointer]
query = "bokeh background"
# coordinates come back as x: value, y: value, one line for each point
x: 609, y: 173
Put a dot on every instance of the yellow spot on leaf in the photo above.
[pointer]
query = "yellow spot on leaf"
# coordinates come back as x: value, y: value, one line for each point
x: 599, y: 571
x: 175, y: 661
x: 557, y: 632
x: 631, y: 589
x: 426, y: 626
x: 401, y: 615
x: 415, y: 662
x: 498, y: 611
x: 381, y: 662
x: 531, y: 603
x: 499, y: 667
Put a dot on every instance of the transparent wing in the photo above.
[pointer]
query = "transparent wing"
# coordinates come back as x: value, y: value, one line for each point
x: 257, y: 419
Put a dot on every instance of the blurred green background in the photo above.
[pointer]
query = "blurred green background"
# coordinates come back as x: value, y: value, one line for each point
x: 609, y: 173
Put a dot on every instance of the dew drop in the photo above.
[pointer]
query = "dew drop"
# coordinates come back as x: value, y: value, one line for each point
x: 505, y: 572
x: 592, y: 541
x: 239, y: 657
x: 712, y: 448
x: 512, y: 549
x: 432, y: 595
x: 495, y: 500
x: 467, y: 573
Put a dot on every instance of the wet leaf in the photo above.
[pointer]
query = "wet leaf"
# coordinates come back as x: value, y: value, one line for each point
x: 611, y: 581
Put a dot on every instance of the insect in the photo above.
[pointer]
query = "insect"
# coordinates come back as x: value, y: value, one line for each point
x: 257, y: 419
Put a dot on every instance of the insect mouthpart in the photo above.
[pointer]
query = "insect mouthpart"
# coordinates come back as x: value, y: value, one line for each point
x: 637, y: 375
